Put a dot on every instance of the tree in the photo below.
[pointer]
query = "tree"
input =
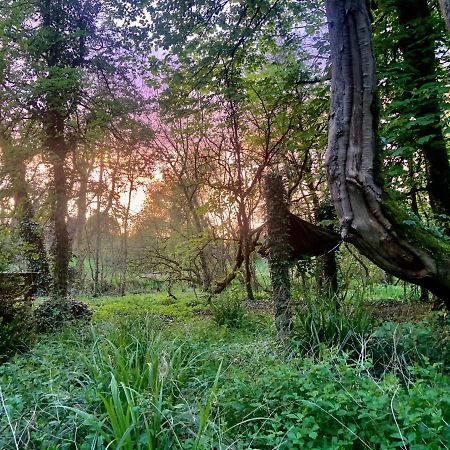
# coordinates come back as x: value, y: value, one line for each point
x: 30, y: 230
x: 416, y: 123
x: 369, y: 217
x: 279, y: 250
x: 74, y: 89
x: 15, y: 150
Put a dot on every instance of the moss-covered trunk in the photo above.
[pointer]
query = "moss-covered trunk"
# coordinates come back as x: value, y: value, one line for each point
x: 58, y: 152
x: 279, y: 251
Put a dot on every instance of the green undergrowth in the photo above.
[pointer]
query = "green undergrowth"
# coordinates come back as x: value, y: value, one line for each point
x: 185, y: 306
x: 135, y: 381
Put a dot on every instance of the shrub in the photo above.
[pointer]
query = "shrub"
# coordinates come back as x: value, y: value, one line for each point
x: 16, y: 321
x: 53, y: 313
x: 395, y: 347
x: 227, y: 308
x: 79, y: 310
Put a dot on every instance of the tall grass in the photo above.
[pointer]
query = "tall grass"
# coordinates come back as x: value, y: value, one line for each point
x: 139, y: 378
x: 324, y: 323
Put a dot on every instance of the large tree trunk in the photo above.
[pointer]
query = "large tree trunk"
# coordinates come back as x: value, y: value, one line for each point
x: 375, y: 224
x: 58, y: 153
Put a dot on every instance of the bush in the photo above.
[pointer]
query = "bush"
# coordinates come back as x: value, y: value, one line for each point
x: 16, y: 334
x: 79, y: 310
x: 16, y: 320
x: 53, y: 313
x: 227, y: 308
x: 395, y: 347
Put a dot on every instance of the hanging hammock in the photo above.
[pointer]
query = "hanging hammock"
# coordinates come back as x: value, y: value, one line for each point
x: 307, y: 239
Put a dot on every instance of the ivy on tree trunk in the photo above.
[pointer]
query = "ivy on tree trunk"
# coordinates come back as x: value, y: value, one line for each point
x: 279, y: 250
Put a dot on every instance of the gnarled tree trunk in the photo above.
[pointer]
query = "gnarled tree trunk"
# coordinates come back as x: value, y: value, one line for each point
x: 372, y: 222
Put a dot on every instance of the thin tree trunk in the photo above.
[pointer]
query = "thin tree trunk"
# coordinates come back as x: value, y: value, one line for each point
x: 328, y: 279
x: 370, y: 220
x: 240, y: 190
x: 415, y: 209
x: 98, y: 229
x: 205, y: 273
x: 125, y: 241
x: 243, y: 219
x: 80, y: 225
x: 246, y: 240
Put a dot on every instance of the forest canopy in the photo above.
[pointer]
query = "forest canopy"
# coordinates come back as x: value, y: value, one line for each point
x: 153, y: 126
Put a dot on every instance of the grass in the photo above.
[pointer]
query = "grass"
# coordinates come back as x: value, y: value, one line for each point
x: 134, y: 380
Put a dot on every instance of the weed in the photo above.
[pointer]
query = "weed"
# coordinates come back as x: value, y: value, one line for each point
x: 227, y: 308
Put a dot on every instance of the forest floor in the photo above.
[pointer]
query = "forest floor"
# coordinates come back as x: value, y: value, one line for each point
x: 152, y: 372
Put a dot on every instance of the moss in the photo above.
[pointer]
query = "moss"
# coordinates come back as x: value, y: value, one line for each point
x: 411, y: 229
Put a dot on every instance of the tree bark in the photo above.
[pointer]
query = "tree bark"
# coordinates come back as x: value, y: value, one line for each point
x: 369, y: 219
x: 81, y: 224
x: 280, y: 251
x: 58, y: 152
x: 98, y: 229
x: 123, y: 276
x: 445, y: 8
x: 192, y: 203
x: 328, y: 275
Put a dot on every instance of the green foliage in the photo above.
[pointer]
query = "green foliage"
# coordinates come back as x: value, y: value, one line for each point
x: 54, y: 313
x: 136, y: 384
x: 397, y: 347
x: 16, y: 333
x: 323, y: 323
x: 227, y: 307
x: 333, y: 405
x: 16, y: 319
x: 7, y: 248
x: 157, y: 304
